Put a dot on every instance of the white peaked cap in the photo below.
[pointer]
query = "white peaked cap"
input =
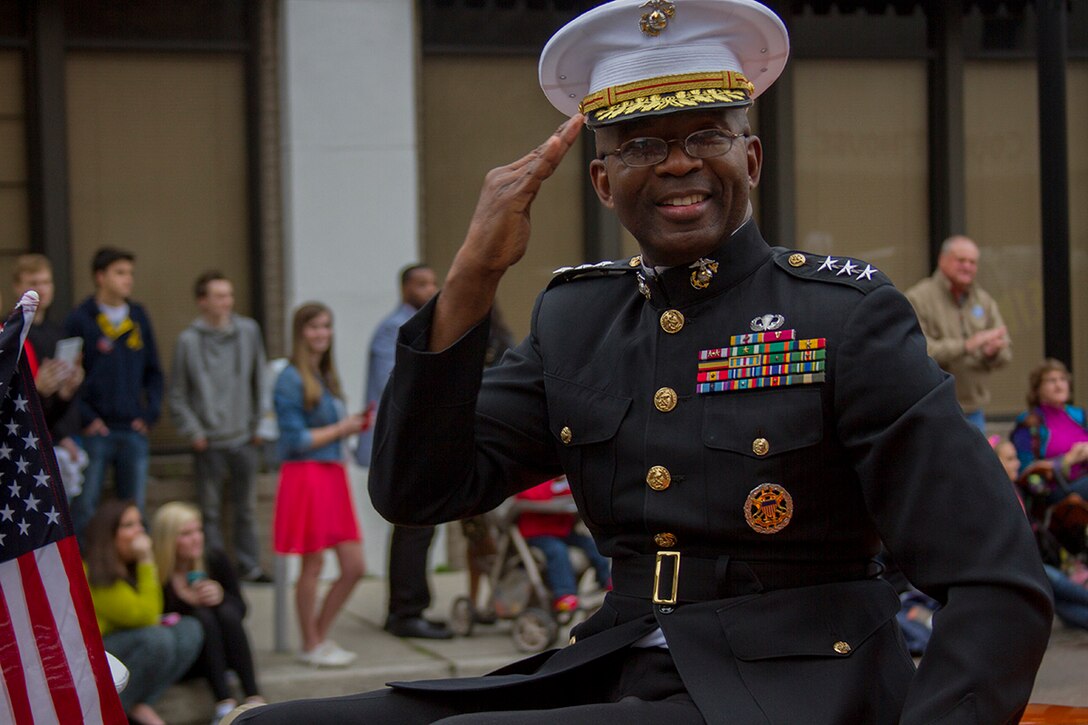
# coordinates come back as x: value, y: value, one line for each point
x: 629, y: 58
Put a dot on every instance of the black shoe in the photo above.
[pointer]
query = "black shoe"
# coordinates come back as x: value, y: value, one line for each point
x: 258, y: 576
x: 417, y: 627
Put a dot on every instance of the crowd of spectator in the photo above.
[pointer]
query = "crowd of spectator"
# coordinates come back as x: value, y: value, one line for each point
x: 1046, y: 452
x: 175, y: 609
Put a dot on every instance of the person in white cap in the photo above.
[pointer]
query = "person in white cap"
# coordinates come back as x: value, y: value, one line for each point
x: 741, y: 425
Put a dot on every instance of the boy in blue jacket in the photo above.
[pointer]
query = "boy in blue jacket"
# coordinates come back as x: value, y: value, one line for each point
x: 122, y: 391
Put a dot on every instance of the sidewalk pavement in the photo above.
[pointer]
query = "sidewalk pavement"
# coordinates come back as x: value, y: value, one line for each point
x: 1062, y: 680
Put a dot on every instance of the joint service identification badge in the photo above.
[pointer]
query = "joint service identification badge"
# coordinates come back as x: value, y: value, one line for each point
x: 768, y: 508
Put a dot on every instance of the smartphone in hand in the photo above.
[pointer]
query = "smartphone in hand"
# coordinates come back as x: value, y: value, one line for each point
x: 69, y: 350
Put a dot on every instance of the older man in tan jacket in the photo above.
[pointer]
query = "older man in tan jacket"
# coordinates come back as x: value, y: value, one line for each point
x: 963, y: 327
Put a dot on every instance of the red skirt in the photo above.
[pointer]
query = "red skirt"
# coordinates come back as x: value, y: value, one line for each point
x: 313, y: 508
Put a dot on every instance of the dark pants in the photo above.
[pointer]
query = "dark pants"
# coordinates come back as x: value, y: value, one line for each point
x: 212, y: 467
x: 226, y: 647
x: 409, y: 594
x: 633, y: 685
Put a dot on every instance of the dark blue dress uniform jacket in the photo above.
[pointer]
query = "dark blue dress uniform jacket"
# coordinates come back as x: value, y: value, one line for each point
x: 782, y: 627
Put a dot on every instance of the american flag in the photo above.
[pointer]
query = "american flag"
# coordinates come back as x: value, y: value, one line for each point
x: 51, y: 657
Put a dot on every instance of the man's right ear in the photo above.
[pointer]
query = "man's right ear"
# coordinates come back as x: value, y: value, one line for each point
x: 598, y: 175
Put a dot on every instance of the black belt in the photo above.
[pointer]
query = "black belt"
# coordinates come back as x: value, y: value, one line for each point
x: 669, y: 577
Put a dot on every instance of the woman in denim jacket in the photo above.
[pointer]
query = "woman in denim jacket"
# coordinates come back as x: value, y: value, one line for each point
x: 314, y: 511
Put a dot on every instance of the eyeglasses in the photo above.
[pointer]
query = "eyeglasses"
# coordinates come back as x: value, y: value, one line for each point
x: 649, y: 151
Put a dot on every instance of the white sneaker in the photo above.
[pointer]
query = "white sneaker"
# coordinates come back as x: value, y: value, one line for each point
x: 336, y: 652
x: 327, y: 654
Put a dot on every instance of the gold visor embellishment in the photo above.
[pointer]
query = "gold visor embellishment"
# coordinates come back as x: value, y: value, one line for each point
x: 717, y: 87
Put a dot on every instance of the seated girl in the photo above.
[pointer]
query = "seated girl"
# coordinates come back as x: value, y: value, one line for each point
x: 127, y: 600
x: 203, y: 584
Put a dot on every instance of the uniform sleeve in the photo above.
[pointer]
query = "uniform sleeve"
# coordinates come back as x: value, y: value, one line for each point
x: 295, y: 437
x: 945, y: 510
x: 448, y: 447
x: 123, y: 607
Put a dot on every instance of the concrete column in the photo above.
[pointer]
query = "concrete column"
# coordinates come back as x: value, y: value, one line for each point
x: 351, y: 178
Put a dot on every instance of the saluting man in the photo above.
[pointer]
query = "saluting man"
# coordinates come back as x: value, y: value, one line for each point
x: 741, y: 425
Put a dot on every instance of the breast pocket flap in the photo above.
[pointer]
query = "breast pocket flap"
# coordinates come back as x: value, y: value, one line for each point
x: 784, y: 419
x: 579, y: 415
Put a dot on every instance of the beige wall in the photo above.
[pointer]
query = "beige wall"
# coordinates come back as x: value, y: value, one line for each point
x: 1077, y: 94
x: 14, y: 232
x: 1002, y: 158
x: 479, y: 113
x: 861, y: 163
x: 157, y: 166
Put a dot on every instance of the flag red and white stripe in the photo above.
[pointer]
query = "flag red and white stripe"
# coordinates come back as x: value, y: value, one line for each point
x: 53, y: 668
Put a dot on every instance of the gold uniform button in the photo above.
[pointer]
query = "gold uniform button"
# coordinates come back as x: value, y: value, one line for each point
x: 672, y: 321
x: 658, y: 478
x: 573, y: 639
x: 635, y: 261
x: 665, y: 540
x: 797, y: 259
x: 665, y: 399
x: 761, y: 446
x: 842, y: 648
x: 565, y: 435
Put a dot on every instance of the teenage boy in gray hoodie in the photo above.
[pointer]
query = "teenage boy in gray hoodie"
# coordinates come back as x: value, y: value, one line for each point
x: 215, y: 401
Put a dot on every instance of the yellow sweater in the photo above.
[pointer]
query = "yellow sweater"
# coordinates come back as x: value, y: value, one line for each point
x: 122, y: 606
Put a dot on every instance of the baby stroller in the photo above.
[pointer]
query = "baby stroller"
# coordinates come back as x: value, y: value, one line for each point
x: 516, y: 587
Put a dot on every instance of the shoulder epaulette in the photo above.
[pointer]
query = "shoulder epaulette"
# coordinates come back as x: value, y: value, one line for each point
x: 825, y: 268
x: 607, y: 268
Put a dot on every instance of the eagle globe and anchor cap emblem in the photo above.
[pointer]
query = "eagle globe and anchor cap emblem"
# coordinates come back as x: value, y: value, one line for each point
x: 768, y: 508
x: 657, y: 19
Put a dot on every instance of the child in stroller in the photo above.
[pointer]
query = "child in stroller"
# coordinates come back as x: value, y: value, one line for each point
x: 531, y: 577
x: 552, y: 534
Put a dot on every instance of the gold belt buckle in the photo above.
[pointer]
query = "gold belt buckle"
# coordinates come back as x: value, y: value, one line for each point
x: 661, y: 555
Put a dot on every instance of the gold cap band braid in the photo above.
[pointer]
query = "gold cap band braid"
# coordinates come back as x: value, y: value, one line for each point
x: 684, y: 90
x: 725, y: 80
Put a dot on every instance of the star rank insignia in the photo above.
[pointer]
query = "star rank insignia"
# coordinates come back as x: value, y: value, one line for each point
x: 849, y: 267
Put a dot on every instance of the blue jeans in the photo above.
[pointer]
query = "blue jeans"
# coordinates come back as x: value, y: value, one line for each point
x: 156, y: 657
x: 127, y: 450
x: 1070, y: 599
x: 560, y: 574
x: 977, y: 419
